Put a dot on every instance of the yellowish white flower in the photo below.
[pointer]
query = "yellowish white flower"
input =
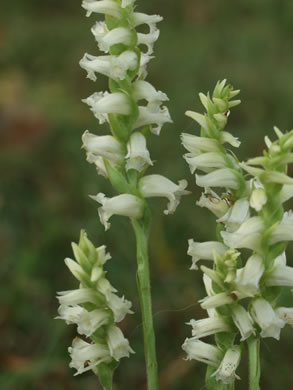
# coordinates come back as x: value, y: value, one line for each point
x: 214, y: 203
x: 217, y: 300
x: 197, y: 145
x: 258, y: 199
x: 236, y: 215
x: 107, y: 7
x: 150, y: 116
x: 204, y: 251
x: 205, y: 161
x: 114, y: 67
x: 226, y: 371
x: 118, y: 345
x: 247, y: 278
x: 160, y: 186
x: 126, y: 205
x: 284, y: 230
x: 85, y: 356
x: 78, y: 296
x: 286, y: 314
x: 209, y: 326
x: 137, y: 153
x: 119, y: 306
x: 282, y: 275
x: 105, y: 146
x: 106, y: 38
x: 265, y: 316
x: 228, y: 138
x: 247, y: 236
x: 203, y: 352
x: 224, y: 177
x: 243, y: 321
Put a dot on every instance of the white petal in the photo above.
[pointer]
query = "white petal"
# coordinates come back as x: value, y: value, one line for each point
x: 204, y: 251
x: 203, y: 352
x: 138, y: 155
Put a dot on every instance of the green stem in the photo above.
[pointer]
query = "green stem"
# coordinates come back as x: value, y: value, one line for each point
x: 254, y: 362
x: 144, y: 288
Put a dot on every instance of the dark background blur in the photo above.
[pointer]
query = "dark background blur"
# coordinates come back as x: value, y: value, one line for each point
x: 45, y: 180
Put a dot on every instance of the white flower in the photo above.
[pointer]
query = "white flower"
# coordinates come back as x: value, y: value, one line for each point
x: 139, y: 18
x: 157, y: 185
x: 214, y: 203
x: 114, y: 67
x: 105, y: 287
x: 138, y: 155
x: 211, y: 302
x: 243, y: 321
x: 99, y: 163
x: 75, y: 297
x: 70, y: 314
x: 282, y: 275
x: 204, y: 251
x: 148, y: 39
x: 103, y: 146
x: 108, y: 103
x: 119, y: 306
x: 264, y: 315
x: 209, y: 326
x: 90, y: 321
x: 286, y: 314
x: 247, y: 236
x: 144, y: 60
x: 203, y: 352
x: 118, y: 345
x: 198, y: 145
x: 85, y: 356
x: 284, y: 230
x: 227, y: 138
x: 106, y: 38
x: 205, y: 161
x: 224, y: 177
x: 126, y: 205
x: 142, y: 90
x: 108, y: 7
x: 247, y: 278
x: 258, y: 198
x: 236, y: 215
x: 226, y: 370
x: 148, y: 116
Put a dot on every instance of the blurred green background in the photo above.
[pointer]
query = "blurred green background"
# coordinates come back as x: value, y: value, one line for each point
x: 45, y: 180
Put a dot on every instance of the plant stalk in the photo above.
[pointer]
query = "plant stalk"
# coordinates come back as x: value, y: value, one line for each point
x: 254, y: 362
x: 144, y: 288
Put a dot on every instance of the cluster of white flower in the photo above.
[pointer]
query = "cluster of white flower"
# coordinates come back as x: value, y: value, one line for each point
x: 241, y: 300
x: 133, y: 108
x: 95, y: 308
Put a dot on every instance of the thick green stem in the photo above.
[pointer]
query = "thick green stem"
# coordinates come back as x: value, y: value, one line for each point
x: 144, y: 288
x: 254, y: 363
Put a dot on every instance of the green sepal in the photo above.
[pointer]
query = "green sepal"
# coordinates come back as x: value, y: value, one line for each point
x: 211, y: 382
x: 118, y: 180
x: 120, y: 126
x: 105, y: 374
x: 225, y: 340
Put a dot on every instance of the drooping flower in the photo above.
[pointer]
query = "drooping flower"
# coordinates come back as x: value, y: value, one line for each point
x: 204, y: 251
x: 264, y: 315
x: 226, y: 371
x: 85, y: 356
x: 118, y: 345
x: 203, y: 352
x: 160, y: 186
x: 126, y: 205
x: 137, y: 153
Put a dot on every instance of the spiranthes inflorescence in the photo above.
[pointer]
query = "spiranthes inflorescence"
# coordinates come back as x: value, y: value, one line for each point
x: 242, y: 290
